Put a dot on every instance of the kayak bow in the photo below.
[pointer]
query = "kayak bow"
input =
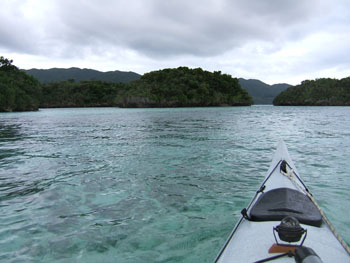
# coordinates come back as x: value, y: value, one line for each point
x: 283, y: 220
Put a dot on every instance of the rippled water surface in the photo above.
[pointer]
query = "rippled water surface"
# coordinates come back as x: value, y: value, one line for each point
x: 155, y: 185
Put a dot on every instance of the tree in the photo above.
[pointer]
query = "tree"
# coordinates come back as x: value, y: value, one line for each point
x: 6, y: 64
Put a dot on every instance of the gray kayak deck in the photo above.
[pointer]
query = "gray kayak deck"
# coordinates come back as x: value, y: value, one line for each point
x: 251, y: 240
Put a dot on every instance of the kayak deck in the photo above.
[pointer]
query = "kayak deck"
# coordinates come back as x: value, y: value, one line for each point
x: 252, y: 241
x: 281, y: 190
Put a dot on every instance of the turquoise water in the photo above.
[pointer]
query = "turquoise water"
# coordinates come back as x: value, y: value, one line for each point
x: 155, y: 185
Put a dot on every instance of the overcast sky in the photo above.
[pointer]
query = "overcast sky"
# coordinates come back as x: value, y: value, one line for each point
x: 272, y: 40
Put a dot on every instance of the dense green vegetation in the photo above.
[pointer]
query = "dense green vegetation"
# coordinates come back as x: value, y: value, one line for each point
x: 80, y: 94
x: 62, y: 74
x: 320, y: 92
x: 164, y: 88
x: 261, y: 92
x: 18, y: 91
x: 181, y: 87
x: 184, y: 87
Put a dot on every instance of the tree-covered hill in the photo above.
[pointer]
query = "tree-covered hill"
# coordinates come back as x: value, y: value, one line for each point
x: 184, y: 87
x: 261, y: 92
x: 320, y: 92
x: 62, y: 74
x: 18, y: 91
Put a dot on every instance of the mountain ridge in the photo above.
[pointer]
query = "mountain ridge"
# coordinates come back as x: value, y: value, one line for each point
x: 78, y: 74
x: 261, y: 92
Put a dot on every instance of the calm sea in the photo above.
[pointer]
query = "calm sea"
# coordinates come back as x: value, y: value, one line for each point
x: 155, y: 185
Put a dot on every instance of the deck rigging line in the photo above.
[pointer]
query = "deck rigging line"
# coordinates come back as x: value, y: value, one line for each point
x: 324, y: 217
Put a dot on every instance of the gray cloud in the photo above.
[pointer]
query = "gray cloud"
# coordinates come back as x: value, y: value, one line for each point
x: 170, y: 28
x: 15, y: 30
x: 224, y: 34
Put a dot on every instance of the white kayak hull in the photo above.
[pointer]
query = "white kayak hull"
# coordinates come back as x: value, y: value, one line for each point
x: 250, y: 240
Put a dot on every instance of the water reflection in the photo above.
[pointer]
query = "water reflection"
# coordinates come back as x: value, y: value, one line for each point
x: 9, y: 133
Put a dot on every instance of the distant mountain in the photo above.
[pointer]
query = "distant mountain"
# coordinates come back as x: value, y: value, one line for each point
x: 261, y: 92
x: 62, y: 74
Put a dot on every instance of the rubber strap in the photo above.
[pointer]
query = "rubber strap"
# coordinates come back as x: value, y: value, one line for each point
x: 274, y: 257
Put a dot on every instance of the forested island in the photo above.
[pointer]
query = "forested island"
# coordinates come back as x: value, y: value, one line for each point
x: 320, y: 92
x: 184, y: 87
x: 180, y: 87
